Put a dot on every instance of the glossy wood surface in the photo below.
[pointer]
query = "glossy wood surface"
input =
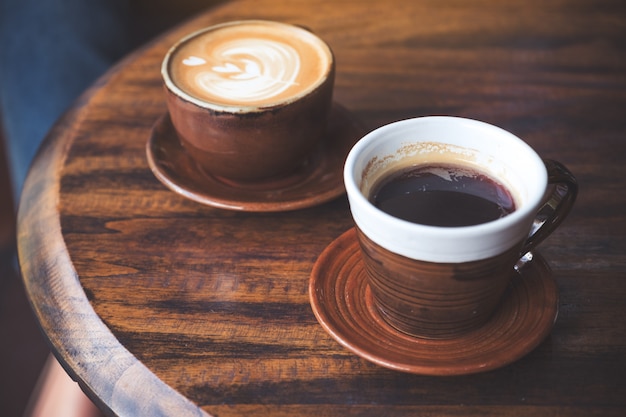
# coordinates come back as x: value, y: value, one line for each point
x: 160, y: 306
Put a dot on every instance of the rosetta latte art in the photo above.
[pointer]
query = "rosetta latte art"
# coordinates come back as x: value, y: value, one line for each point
x: 246, y: 70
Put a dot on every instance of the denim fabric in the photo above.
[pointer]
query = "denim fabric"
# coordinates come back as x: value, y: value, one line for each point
x: 50, y: 52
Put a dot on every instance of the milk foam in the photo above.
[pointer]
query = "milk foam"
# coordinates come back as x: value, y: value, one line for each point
x: 247, y: 70
x: 249, y: 65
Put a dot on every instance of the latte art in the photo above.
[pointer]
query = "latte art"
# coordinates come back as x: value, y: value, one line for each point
x: 249, y: 64
x: 246, y: 70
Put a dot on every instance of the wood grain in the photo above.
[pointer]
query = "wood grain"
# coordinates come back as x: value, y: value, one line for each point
x: 160, y: 306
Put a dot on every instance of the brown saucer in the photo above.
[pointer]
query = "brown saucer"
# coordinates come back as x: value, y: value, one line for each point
x: 318, y: 181
x: 343, y: 305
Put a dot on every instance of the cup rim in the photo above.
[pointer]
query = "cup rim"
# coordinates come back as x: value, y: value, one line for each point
x: 518, y: 222
x: 235, y: 108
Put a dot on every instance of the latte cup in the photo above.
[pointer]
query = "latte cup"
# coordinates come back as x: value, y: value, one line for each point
x: 435, y: 281
x: 250, y: 99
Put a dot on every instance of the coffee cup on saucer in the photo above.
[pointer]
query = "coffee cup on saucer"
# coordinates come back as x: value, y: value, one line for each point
x: 249, y: 100
x: 446, y: 209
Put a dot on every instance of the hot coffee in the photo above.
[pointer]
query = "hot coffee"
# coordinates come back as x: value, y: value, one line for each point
x: 254, y: 63
x: 442, y: 195
x: 250, y: 99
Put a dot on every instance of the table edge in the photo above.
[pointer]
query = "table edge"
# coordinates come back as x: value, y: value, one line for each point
x: 57, y: 297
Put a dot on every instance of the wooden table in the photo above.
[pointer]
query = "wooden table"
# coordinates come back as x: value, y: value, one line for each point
x: 160, y: 306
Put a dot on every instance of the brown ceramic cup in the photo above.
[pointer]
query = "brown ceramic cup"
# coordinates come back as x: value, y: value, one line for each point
x: 249, y: 99
x: 440, y: 282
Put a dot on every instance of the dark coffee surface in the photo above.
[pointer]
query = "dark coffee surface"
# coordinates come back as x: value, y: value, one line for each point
x: 442, y: 195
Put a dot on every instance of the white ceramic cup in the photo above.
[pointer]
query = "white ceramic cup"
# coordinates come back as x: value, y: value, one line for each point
x: 415, y: 269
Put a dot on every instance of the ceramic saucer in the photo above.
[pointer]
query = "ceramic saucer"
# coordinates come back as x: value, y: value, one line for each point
x: 342, y: 302
x: 318, y: 181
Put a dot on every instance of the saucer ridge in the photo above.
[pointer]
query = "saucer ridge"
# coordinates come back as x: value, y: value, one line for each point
x: 343, y: 304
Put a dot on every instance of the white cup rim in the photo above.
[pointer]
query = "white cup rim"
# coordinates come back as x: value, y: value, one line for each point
x: 442, y: 244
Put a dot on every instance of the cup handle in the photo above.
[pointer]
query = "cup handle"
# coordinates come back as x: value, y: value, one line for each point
x: 563, y: 189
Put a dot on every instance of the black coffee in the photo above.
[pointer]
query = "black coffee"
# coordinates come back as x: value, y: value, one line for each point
x: 442, y: 195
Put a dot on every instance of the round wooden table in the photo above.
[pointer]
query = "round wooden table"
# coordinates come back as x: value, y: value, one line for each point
x: 160, y: 306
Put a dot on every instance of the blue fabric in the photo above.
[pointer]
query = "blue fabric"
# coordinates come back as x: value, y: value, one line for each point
x: 50, y: 52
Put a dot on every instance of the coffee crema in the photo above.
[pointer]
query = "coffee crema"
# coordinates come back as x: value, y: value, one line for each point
x: 254, y: 63
x: 443, y: 195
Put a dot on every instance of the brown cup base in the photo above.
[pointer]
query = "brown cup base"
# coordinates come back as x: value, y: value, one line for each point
x: 436, y: 300
x: 317, y: 181
x: 343, y: 304
x: 282, y: 181
x: 432, y: 331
